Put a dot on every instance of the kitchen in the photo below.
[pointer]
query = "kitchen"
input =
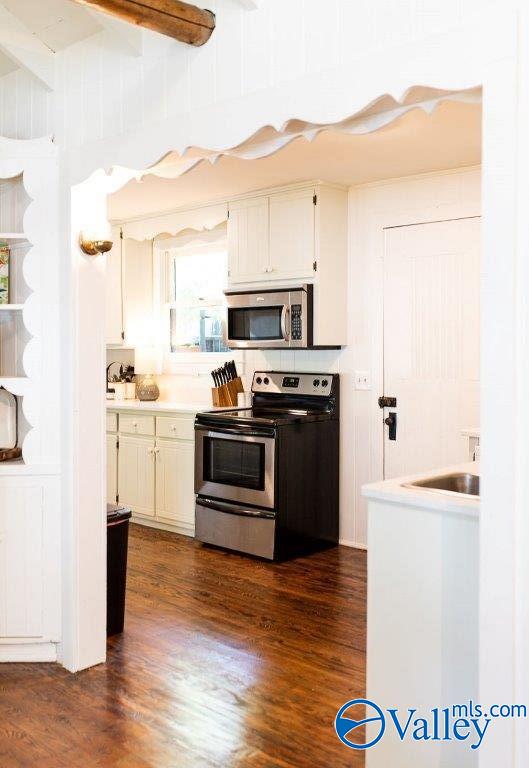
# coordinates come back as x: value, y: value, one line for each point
x: 399, y: 346
x: 313, y: 248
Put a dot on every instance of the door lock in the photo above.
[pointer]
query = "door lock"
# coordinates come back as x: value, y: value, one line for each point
x: 387, y: 402
x: 391, y: 422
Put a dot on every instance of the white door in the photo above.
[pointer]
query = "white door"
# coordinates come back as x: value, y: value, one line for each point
x: 175, y: 494
x: 112, y: 468
x: 248, y: 240
x: 292, y: 235
x: 431, y: 343
x: 136, y: 474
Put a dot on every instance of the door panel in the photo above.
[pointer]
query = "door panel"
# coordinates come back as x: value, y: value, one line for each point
x: 112, y: 468
x: 431, y: 343
x: 248, y: 240
x: 113, y: 287
x: 292, y: 235
x: 175, y: 495
x: 136, y: 474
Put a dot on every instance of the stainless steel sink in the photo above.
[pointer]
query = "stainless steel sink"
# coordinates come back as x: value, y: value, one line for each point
x: 462, y: 483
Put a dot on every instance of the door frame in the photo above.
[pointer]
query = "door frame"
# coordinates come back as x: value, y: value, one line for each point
x: 493, y: 52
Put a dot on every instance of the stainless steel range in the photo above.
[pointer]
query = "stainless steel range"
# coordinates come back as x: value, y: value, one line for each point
x: 267, y: 477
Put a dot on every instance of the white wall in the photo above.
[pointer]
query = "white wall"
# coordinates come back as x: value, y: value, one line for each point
x: 103, y: 93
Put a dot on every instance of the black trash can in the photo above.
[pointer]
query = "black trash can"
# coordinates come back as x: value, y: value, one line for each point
x: 117, y: 548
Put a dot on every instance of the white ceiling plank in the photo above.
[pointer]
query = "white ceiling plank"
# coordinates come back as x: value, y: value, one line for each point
x: 26, y: 50
x: 250, y: 5
x: 128, y: 36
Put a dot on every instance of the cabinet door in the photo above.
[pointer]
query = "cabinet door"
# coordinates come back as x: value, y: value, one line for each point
x: 292, y: 249
x: 22, y: 560
x: 248, y: 240
x: 114, y: 296
x: 175, y: 492
x: 136, y: 474
x: 137, y: 291
x: 112, y: 468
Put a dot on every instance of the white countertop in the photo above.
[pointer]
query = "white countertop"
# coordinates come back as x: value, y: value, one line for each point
x: 395, y: 491
x: 159, y: 405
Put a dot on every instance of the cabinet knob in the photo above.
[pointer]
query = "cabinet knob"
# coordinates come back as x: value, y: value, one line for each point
x: 265, y: 269
x: 173, y: 427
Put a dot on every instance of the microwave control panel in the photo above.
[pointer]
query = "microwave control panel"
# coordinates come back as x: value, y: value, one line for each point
x: 295, y: 322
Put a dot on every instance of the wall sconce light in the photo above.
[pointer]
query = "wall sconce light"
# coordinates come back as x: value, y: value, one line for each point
x: 92, y: 246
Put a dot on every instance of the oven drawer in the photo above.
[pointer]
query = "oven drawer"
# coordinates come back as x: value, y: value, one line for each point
x: 249, y: 533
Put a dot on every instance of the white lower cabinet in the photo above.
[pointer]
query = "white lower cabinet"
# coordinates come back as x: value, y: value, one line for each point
x: 153, y: 474
x: 175, y: 497
x: 136, y: 474
x: 112, y: 468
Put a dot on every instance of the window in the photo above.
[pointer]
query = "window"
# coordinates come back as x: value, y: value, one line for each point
x: 197, y: 277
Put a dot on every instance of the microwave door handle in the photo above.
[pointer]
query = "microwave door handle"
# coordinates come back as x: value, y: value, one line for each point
x: 285, y: 322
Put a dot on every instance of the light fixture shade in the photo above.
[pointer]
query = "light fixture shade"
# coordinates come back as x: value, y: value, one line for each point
x: 148, y: 359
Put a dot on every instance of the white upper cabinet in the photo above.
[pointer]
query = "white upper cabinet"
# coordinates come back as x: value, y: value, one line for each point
x: 114, y: 292
x: 129, y: 291
x: 248, y: 246
x: 280, y: 235
x: 292, y: 245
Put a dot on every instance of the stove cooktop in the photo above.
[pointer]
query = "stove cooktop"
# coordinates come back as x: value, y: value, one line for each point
x: 263, y: 416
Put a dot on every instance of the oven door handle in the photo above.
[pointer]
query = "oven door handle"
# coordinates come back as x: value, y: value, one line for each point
x: 231, y: 509
x: 285, y: 322
x: 220, y: 430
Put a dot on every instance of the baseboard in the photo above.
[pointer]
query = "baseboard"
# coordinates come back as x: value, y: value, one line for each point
x: 28, y: 652
x: 161, y: 526
x: 353, y: 544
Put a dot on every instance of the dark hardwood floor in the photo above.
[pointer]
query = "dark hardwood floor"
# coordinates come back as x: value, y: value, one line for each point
x: 226, y: 662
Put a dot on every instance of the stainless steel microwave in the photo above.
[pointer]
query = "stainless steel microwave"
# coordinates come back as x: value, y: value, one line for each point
x: 272, y: 319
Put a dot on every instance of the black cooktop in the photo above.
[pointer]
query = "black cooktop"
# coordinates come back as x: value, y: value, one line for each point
x: 261, y: 416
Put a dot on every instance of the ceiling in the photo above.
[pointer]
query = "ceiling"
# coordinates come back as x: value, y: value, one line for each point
x: 417, y: 142
x: 57, y: 23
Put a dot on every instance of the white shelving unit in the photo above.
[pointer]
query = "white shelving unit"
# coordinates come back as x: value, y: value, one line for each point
x: 30, y: 496
x: 28, y: 209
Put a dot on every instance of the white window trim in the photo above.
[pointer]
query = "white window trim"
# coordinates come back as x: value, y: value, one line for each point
x: 183, y: 363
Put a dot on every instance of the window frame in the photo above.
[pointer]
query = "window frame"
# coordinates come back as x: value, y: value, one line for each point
x: 180, y: 362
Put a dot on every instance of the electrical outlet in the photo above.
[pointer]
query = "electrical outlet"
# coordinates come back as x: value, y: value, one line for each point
x: 362, y: 380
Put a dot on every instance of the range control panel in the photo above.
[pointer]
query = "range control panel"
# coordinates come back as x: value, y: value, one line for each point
x: 292, y: 383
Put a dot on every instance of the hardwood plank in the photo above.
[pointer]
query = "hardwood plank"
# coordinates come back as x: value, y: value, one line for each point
x: 225, y: 662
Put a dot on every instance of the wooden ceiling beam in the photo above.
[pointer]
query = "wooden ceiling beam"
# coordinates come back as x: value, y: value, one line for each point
x: 173, y: 18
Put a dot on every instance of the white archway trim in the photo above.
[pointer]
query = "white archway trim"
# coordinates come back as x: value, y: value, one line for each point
x: 268, y: 140
x: 205, y: 217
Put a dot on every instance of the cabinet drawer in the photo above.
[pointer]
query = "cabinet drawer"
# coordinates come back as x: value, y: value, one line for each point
x: 112, y: 422
x: 133, y: 424
x: 180, y: 427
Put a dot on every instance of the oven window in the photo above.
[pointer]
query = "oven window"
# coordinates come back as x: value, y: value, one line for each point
x: 234, y: 462
x: 259, y: 323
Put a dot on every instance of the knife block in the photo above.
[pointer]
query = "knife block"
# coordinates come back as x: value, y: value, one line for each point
x: 221, y: 397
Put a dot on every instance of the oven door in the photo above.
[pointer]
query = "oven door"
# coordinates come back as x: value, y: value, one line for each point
x: 235, y: 465
x: 258, y: 319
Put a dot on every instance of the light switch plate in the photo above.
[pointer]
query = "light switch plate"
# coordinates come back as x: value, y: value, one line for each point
x: 362, y: 380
